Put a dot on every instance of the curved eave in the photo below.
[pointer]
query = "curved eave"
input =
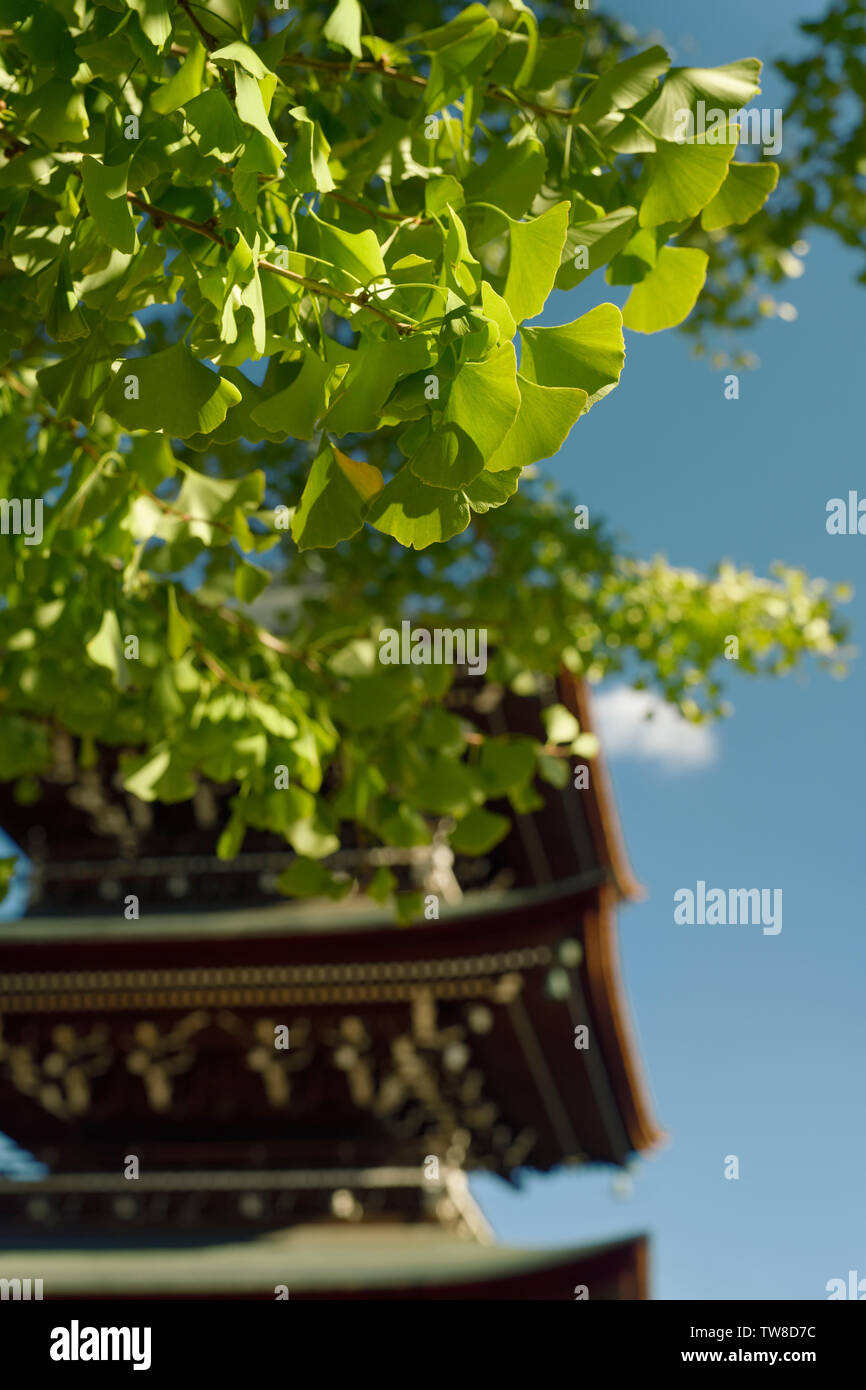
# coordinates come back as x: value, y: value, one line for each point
x: 604, y: 977
x: 608, y: 1000
x: 604, y: 821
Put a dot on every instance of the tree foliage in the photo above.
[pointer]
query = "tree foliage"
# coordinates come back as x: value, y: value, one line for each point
x: 269, y: 297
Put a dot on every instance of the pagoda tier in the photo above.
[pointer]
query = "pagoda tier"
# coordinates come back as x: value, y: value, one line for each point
x: 339, y: 1263
x: 490, y: 1040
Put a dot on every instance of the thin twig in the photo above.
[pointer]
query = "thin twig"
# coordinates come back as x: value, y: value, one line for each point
x: 359, y: 300
x: 207, y: 39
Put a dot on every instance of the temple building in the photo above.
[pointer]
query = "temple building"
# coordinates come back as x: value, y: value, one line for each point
x: 239, y: 1096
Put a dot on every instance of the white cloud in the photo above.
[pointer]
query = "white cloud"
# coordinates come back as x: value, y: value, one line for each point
x: 665, y: 738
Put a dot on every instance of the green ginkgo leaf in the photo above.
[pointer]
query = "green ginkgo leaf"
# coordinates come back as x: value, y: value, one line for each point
x: 335, y: 499
x: 170, y: 391
x: 294, y: 410
x: 64, y: 319
x: 242, y: 56
x: 105, y: 648
x: 485, y: 399
x: 306, y: 169
x: 55, y: 112
x: 343, y: 28
x: 448, y: 458
x: 358, y: 253
x: 510, y: 176
x: 591, y: 245
x: 685, y: 178
x: 543, y: 423
x: 372, y: 376
x: 727, y: 88
x: 186, y: 83
x: 178, y: 632
x: 478, y: 832
x: 588, y: 354
x: 216, y: 129
x: 669, y: 292
x: 491, y: 489
x: 252, y: 105
x: 743, y: 193
x: 534, y: 261
x: 624, y: 85
x: 105, y: 187
x: 455, y: 66
x: 155, y: 19
x: 417, y: 515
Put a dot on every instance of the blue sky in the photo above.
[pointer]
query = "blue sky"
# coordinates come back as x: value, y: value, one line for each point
x: 753, y: 1044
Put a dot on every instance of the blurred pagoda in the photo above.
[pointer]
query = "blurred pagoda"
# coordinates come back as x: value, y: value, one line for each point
x: 188, y: 1156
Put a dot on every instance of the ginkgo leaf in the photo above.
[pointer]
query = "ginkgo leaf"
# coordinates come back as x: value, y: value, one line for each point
x: 169, y: 391
x: 669, y: 293
x: 543, y: 423
x: 357, y: 252
x: 243, y: 57
x: 624, y: 85
x: 478, y: 832
x: 448, y: 458
x: 534, y: 261
x: 685, y: 178
x: 455, y: 66
x: 491, y: 489
x: 295, y: 410
x: 205, y: 506
x: 250, y: 102
x: 591, y: 245
x: 485, y: 399
x: 495, y: 308
x: 335, y: 499
x: 186, y: 83
x: 155, y: 19
x: 509, y: 178
x: 178, y: 632
x: 343, y: 28
x: 371, y: 378
x: 105, y: 187
x: 55, y: 112
x: 727, y: 88
x: 64, y: 320
x: 743, y: 193
x: 417, y: 515
x: 588, y: 354
x: 306, y: 170
x: 216, y: 129
x: 105, y: 648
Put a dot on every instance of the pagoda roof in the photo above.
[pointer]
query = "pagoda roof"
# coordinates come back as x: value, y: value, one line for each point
x: 400, y: 1037
x: 399, y: 1261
